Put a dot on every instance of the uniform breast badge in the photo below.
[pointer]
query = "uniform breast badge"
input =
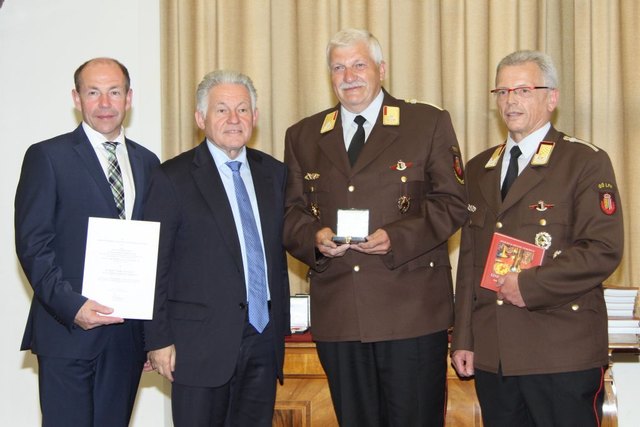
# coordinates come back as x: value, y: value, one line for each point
x: 541, y: 206
x: 401, y: 165
x: 404, y: 201
x: 313, y: 202
x: 543, y: 240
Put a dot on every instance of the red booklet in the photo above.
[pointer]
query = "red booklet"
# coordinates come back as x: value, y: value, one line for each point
x: 508, y: 254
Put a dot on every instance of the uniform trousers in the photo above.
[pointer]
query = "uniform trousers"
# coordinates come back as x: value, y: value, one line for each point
x: 246, y: 400
x: 396, y: 383
x: 567, y: 399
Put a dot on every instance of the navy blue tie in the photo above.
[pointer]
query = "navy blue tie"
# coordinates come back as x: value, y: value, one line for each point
x: 258, y: 309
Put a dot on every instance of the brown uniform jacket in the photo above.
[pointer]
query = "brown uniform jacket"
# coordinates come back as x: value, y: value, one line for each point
x: 408, y: 292
x: 564, y: 326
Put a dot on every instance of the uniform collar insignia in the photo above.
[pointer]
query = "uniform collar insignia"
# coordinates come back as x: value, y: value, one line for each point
x: 495, y: 157
x: 329, y: 122
x: 390, y: 115
x: 543, y: 154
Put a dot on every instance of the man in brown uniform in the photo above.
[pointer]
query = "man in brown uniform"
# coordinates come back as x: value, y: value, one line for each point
x: 538, y: 345
x: 380, y: 308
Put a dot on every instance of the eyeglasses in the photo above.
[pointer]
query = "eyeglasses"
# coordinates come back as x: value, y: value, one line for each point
x: 520, y: 92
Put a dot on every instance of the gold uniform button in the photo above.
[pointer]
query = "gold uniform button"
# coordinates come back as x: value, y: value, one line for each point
x: 498, y: 225
x: 499, y: 302
x: 432, y: 264
x: 575, y: 307
x: 351, y: 188
x: 543, y: 222
x: 356, y: 268
x: 403, y: 179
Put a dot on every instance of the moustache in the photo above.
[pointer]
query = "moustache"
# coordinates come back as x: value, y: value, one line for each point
x: 345, y: 85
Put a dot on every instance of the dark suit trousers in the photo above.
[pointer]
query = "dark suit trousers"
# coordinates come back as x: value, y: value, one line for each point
x: 568, y: 399
x: 247, y: 400
x: 387, y: 383
x: 91, y: 393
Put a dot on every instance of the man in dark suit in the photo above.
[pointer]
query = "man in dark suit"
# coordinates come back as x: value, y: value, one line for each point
x: 221, y: 264
x: 89, y: 362
x: 381, y: 308
x: 538, y: 345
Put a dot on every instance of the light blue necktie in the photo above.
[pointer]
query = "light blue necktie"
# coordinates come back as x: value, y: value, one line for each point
x: 258, y: 310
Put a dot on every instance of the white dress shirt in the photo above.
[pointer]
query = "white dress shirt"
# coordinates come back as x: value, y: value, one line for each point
x: 97, y: 139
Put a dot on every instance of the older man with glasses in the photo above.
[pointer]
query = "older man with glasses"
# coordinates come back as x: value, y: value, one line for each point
x: 538, y: 344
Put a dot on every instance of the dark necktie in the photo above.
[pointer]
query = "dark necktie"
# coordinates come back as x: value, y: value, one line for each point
x: 257, y: 298
x: 115, y: 177
x: 357, y: 142
x: 512, y: 171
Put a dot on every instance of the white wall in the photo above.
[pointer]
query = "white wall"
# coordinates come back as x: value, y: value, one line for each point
x: 42, y: 42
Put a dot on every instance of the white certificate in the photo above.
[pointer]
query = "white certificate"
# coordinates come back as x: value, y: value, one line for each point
x: 120, y: 266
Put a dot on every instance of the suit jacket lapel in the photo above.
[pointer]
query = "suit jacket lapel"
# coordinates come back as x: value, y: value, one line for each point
x: 137, y: 169
x: 207, y: 179
x: 332, y: 145
x: 490, y: 188
x: 263, y: 184
x: 526, y: 181
x: 85, y: 150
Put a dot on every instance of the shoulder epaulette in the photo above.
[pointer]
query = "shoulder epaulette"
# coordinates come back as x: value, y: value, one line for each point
x: 415, y: 101
x: 579, y: 141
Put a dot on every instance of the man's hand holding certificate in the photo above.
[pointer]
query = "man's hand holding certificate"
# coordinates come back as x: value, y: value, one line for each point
x: 120, y: 266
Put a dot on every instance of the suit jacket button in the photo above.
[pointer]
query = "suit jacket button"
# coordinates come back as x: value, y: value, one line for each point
x: 356, y: 268
x: 543, y: 222
x: 351, y: 188
x: 575, y: 307
x: 498, y: 225
x: 499, y: 302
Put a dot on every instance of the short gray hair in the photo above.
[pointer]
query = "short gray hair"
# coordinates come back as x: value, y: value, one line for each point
x: 351, y: 36
x: 220, y: 77
x: 542, y: 60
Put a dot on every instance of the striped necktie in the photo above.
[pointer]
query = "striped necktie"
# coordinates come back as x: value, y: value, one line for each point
x: 115, y: 177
